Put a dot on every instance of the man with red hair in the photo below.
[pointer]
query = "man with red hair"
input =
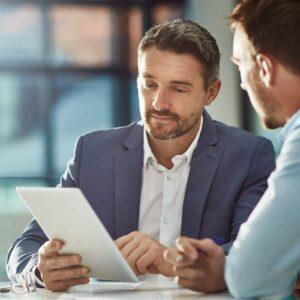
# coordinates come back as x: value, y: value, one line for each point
x: 264, y: 261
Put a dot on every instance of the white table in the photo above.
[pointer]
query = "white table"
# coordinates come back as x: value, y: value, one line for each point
x: 151, y: 290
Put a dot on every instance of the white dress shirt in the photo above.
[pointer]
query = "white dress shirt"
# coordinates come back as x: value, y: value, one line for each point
x: 163, y: 193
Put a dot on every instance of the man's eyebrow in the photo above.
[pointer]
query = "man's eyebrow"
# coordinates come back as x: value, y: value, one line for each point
x: 147, y: 75
x: 182, y: 82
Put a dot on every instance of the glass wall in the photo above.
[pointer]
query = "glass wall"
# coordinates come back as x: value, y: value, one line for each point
x: 66, y: 68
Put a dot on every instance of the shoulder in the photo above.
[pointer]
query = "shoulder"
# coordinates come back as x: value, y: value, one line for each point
x: 236, y: 137
x: 111, y: 139
x: 246, y: 149
x: 290, y: 152
x: 112, y: 133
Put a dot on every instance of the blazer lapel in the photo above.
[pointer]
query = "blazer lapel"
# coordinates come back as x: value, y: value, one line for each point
x: 128, y: 180
x: 204, y: 164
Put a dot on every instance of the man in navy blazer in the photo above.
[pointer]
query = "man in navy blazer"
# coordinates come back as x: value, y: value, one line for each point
x: 177, y: 172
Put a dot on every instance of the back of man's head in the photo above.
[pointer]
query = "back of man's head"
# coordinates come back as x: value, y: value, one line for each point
x: 185, y: 37
x: 272, y: 27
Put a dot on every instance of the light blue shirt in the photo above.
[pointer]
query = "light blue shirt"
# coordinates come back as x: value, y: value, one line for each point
x: 265, y: 258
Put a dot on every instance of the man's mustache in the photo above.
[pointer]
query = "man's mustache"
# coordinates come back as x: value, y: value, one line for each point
x: 162, y: 113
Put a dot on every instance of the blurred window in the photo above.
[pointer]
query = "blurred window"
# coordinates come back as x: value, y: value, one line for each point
x: 83, y: 104
x: 21, y: 36
x: 66, y: 69
x: 22, y: 115
x: 81, y: 36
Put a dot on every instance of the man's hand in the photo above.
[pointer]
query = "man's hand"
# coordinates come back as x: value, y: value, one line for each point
x: 198, y: 264
x: 144, y: 254
x: 60, y: 272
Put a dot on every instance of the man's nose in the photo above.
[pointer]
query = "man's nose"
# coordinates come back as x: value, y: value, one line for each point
x: 161, y: 100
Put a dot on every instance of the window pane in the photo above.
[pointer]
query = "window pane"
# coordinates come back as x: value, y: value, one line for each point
x: 135, y: 35
x: 83, y: 104
x: 10, y: 202
x: 22, y: 113
x: 134, y: 101
x: 81, y: 35
x: 164, y: 12
x: 20, y: 34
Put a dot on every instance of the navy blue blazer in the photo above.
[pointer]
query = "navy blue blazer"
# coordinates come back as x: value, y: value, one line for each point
x: 228, y: 175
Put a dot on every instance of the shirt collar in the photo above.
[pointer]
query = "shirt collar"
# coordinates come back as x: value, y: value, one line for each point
x: 292, y: 123
x: 150, y: 158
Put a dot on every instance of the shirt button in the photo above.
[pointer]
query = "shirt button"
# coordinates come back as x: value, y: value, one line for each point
x: 165, y: 221
x: 150, y: 160
x: 169, y: 177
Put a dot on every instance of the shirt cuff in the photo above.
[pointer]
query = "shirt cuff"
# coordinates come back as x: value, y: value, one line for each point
x: 36, y: 273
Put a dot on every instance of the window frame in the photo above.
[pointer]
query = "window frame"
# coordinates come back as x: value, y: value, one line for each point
x: 121, y: 72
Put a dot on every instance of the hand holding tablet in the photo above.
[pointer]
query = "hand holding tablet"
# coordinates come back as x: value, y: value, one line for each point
x: 64, y: 214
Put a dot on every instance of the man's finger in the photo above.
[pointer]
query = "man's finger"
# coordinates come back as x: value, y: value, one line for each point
x: 131, y: 246
x: 207, y: 246
x: 144, y: 261
x: 125, y: 239
x: 62, y: 262
x: 134, y: 256
x: 177, y: 258
x: 50, y: 248
x: 189, y: 273
x: 66, y: 274
x: 187, y: 246
x: 187, y: 283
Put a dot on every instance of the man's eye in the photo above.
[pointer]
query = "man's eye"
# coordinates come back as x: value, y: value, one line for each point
x: 149, y: 84
x: 177, y: 90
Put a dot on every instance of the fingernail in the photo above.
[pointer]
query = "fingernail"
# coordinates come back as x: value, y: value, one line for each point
x: 194, y: 255
x: 179, y: 258
x: 58, y: 243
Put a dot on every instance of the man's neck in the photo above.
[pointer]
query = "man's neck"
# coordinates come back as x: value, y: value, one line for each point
x: 288, y: 92
x: 165, y: 150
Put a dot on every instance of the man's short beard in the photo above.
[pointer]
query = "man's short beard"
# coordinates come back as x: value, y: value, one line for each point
x: 180, y: 129
x: 271, y: 123
x: 268, y: 108
x: 177, y: 132
x: 271, y: 116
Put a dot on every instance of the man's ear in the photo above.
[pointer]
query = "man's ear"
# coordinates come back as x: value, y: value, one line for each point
x: 213, y: 91
x: 266, y: 69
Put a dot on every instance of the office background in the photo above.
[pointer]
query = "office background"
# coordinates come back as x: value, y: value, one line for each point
x: 68, y: 67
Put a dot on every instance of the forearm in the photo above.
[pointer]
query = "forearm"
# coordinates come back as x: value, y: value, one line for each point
x: 22, y: 256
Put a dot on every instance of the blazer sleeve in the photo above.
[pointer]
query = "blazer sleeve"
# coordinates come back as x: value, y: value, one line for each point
x: 71, y: 176
x: 22, y: 256
x: 262, y: 165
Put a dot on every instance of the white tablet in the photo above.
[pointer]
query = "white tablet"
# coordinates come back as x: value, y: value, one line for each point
x: 65, y: 214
